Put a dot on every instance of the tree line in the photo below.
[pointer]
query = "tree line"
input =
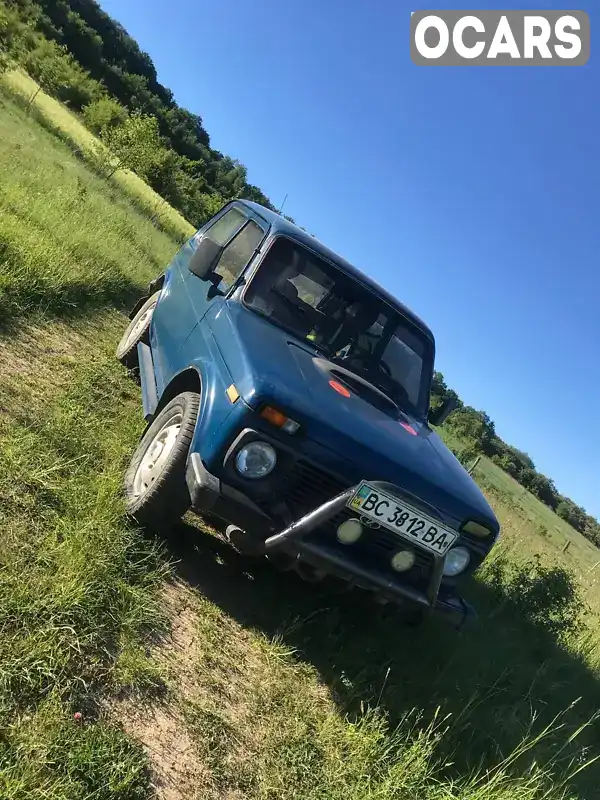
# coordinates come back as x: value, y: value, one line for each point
x: 80, y: 55
x: 478, y: 432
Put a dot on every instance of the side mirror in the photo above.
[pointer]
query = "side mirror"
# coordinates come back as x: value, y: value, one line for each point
x: 439, y: 415
x: 205, y: 257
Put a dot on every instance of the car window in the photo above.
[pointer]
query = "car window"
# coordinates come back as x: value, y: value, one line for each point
x: 309, y: 290
x: 237, y: 254
x: 350, y: 324
x: 225, y: 227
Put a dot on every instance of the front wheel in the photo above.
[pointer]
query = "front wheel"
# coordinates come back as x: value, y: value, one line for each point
x: 137, y: 331
x: 156, y: 491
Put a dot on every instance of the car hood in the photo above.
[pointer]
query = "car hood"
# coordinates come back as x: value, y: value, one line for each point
x: 269, y: 365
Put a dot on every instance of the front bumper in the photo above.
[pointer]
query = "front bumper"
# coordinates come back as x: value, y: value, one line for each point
x: 209, y: 494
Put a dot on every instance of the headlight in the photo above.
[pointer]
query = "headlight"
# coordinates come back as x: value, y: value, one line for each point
x: 403, y: 561
x: 349, y: 531
x: 255, y: 460
x: 457, y: 560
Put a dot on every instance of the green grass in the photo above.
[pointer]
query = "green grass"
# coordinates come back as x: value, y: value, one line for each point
x: 69, y: 241
x: 78, y: 586
x: 540, y: 515
x: 239, y: 681
x: 550, y: 532
x: 72, y: 131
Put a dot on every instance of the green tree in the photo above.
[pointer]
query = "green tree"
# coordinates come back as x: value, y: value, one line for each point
x: 440, y: 392
x: 521, y: 457
x: 545, y: 489
x: 104, y: 113
x: 60, y: 75
x: 10, y: 35
x: 135, y: 145
x: 506, y: 463
x: 115, y: 60
x: 473, y: 425
x: 572, y: 513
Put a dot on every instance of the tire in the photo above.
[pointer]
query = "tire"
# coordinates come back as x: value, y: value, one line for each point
x: 138, y: 330
x: 156, y: 492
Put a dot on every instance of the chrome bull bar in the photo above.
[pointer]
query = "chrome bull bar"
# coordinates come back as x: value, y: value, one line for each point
x: 428, y: 599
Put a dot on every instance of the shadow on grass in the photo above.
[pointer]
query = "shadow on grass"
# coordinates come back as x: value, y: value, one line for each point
x: 494, y: 678
x: 69, y: 301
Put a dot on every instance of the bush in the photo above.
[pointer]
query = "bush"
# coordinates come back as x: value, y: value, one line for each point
x: 104, y: 113
x: 548, y: 597
x: 467, y: 455
x: 136, y: 145
x: 60, y: 75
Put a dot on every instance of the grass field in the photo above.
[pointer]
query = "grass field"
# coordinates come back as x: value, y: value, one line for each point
x: 133, y: 668
x: 69, y: 127
x: 553, y: 533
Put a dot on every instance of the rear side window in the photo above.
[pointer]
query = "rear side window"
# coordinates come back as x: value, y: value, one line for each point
x: 225, y: 227
x: 237, y: 254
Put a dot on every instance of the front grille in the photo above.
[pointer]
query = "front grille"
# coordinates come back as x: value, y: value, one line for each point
x: 306, y: 487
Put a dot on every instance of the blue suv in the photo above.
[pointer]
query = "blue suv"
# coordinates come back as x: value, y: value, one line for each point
x: 288, y: 396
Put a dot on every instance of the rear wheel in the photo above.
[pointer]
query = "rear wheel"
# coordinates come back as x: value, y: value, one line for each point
x: 156, y: 491
x: 137, y: 331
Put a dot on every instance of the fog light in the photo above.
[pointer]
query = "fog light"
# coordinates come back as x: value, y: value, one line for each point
x: 349, y: 531
x: 255, y: 460
x: 457, y: 560
x: 403, y: 561
x: 475, y: 529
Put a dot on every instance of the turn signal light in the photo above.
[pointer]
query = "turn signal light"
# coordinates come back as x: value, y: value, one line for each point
x: 279, y: 420
x: 475, y: 529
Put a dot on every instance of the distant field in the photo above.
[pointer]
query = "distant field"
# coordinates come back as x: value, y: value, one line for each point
x: 134, y: 668
x: 546, y: 533
x: 68, y: 125
x: 557, y: 530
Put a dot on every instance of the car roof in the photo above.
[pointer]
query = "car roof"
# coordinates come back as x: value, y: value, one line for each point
x: 281, y: 225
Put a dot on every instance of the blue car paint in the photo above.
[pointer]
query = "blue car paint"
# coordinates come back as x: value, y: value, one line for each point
x: 227, y: 343
x: 363, y: 442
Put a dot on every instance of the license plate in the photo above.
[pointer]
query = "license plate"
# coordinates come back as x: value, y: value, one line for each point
x: 402, y: 518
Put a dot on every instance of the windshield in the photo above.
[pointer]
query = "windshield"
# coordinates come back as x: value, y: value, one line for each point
x: 351, y: 325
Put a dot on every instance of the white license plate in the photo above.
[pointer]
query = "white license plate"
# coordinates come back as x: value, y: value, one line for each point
x: 403, y: 519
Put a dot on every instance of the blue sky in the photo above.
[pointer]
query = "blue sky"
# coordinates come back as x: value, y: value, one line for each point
x: 472, y: 193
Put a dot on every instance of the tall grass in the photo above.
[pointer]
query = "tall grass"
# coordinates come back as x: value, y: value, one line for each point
x: 268, y: 728
x: 286, y: 690
x: 69, y: 241
x: 78, y: 586
x: 69, y: 128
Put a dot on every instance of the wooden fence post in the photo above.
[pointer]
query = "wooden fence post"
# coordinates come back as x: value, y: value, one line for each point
x: 471, y: 469
x: 567, y: 545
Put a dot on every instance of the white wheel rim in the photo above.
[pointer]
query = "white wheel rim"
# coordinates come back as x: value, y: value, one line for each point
x: 156, y: 455
x: 138, y: 326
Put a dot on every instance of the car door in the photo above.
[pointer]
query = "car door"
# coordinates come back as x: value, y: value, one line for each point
x: 187, y: 298
x: 239, y: 232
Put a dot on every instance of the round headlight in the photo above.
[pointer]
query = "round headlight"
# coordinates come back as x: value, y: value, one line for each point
x: 403, y: 561
x: 349, y: 531
x: 457, y: 560
x: 255, y: 460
